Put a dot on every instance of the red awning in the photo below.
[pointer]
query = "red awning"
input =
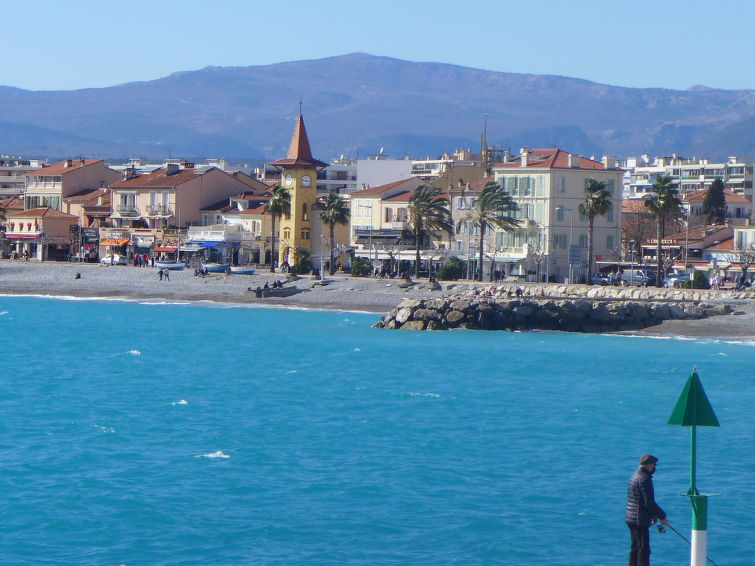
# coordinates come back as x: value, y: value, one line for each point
x: 165, y: 249
x: 12, y: 236
x: 114, y: 242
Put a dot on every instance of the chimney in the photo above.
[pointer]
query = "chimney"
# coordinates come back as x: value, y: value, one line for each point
x: 81, y: 163
x: 608, y: 161
x: 506, y: 155
x: 524, y: 156
x: 172, y: 168
x: 68, y: 163
x: 574, y: 161
x: 188, y: 165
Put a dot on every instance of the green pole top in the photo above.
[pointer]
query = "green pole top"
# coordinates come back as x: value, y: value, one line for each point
x: 693, y: 407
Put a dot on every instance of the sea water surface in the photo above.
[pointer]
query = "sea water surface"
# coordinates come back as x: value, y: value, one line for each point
x: 169, y: 434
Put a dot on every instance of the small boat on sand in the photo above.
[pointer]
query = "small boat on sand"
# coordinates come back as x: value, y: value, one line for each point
x: 215, y: 267
x: 242, y: 269
x: 168, y: 264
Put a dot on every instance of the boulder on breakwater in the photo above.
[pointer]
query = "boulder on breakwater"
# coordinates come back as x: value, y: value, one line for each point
x: 570, y: 314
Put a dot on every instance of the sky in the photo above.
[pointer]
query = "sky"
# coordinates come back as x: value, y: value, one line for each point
x: 53, y: 45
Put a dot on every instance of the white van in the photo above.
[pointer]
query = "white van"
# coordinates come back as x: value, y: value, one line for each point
x: 638, y: 277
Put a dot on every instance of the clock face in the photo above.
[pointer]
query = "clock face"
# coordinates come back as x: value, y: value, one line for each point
x: 306, y: 181
x: 289, y: 180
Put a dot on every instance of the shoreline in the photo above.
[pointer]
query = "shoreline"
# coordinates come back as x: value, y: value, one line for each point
x: 340, y: 292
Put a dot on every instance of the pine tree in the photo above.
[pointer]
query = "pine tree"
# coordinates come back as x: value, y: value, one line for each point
x: 714, y: 204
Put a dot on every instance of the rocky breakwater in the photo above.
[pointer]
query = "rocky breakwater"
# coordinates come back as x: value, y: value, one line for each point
x: 571, y: 314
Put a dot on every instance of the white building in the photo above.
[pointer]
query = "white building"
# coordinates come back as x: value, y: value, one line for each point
x: 688, y: 175
x: 12, y: 171
x: 548, y: 185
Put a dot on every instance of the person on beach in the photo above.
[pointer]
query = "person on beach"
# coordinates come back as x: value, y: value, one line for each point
x: 166, y: 275
x: 160, y: 274
x: 642, y: 511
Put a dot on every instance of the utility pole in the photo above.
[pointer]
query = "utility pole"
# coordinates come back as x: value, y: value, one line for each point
x: 693, y: 409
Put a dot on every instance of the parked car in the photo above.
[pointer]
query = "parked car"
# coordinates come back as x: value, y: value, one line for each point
x: 114, y: 259
x: 601, y: 279
x: 639, y: 277
x: 675, y: 280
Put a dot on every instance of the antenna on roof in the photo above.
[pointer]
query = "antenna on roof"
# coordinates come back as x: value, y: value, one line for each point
x: 300, y: 105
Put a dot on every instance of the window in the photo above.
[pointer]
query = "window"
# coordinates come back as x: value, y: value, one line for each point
x: 389, y: 215
x: 218, y: 219
x: 560, y: 213
x: 287, y: 234
x: 304, y: 212
x: 205, y: 219
x: 582, y: 241
x: 609, y: 216
x: 401, y: 215
x: 609, y: 242
x: 305, y: 234
x: 562, y: 185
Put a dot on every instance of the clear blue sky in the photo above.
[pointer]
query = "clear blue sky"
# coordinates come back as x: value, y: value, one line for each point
x: 50, y: 45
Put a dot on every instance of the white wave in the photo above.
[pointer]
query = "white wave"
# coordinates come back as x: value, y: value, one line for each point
x: 357, y: 349
x: 181, y: 402
x: 135, y: 352
x: 3, y: 312
x: 418, y: 394
x: 218, y: 454
x: 104, y: 428
x: 291, y: 371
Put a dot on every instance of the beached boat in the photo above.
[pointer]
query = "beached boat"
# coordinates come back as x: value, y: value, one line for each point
x: 167, y: 264
x: 242, y: 269
x: 215, y: 267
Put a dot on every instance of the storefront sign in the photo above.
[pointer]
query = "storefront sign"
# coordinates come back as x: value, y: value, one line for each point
x: 90, y: 235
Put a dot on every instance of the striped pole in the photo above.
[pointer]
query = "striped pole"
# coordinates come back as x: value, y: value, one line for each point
x: 699, y: 550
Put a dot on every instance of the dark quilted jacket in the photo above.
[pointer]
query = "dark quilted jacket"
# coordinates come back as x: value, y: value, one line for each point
x: 641, y: 505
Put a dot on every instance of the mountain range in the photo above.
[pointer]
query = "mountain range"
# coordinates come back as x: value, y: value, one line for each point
x: 357, y: 104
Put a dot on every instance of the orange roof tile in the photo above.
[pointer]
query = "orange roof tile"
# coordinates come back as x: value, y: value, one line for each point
x: 730, y: 196
x: 160, y: 178
x: 42, y: 211
x: 553, y: 158
x: 379, y: 190
x: 62, y: 167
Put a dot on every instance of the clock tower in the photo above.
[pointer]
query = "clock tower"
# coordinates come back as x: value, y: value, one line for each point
x: 298, y: 177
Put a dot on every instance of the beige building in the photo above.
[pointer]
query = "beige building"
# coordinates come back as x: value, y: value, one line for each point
x: 51, y: 184
x: 40, y: 233
x: 548, y: 185
x: 171, y: 196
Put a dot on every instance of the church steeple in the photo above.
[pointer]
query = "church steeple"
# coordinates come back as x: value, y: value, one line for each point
x: 299, y: 153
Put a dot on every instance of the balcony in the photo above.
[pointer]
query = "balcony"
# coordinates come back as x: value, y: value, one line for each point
x: 127, y: 210
x: 400, y: 225
x: 159, y: 210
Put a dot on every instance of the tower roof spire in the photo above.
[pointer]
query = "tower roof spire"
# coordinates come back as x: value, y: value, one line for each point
x: 299, y: 153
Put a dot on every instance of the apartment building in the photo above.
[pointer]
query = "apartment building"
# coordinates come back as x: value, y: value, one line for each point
x: 48, y: 186
x: 548, y: 185
x: 12, y: 174
x: 688, y: 175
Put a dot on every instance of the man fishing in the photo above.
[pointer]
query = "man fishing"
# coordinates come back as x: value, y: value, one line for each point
x: 642, y: 510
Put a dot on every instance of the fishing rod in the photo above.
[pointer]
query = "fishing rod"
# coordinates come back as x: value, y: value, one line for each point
x: 662, y: 530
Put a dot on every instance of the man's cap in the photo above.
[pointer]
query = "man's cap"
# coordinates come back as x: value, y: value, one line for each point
x: 647, y: 459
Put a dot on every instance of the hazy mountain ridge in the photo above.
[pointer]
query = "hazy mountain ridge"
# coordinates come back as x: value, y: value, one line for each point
x: 359, y: 103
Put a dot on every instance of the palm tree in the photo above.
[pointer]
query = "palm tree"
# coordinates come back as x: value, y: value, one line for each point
x: 278, y: 204
x: 597, y: 202
x: 491, y: 210
x: 335, y: 211
x: 663, y: 203
x: 428, y: 211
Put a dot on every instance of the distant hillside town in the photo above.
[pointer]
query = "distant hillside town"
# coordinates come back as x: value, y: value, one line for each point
x: 539, y: 214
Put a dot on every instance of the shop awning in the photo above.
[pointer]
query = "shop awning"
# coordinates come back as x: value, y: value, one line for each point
x: 114, y: 242
x: 11, y: 236
x: 166, y: 249
x: 210, y: 244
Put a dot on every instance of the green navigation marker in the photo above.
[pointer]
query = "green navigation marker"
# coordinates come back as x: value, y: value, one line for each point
x: 693, y: 409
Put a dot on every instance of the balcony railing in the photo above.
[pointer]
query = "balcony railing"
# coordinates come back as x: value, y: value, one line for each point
x: 399, y: 225
x: 127, y: 210
x: 158, y: 210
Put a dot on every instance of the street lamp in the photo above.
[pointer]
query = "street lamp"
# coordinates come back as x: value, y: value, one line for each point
x: 631, y: 262
x: 571, y: 238
x: 322, y: 273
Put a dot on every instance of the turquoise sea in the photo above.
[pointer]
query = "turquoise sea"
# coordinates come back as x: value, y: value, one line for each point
x: 164, y: 434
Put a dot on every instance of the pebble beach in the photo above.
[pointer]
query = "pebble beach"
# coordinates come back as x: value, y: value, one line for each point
x: 339, y: 292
